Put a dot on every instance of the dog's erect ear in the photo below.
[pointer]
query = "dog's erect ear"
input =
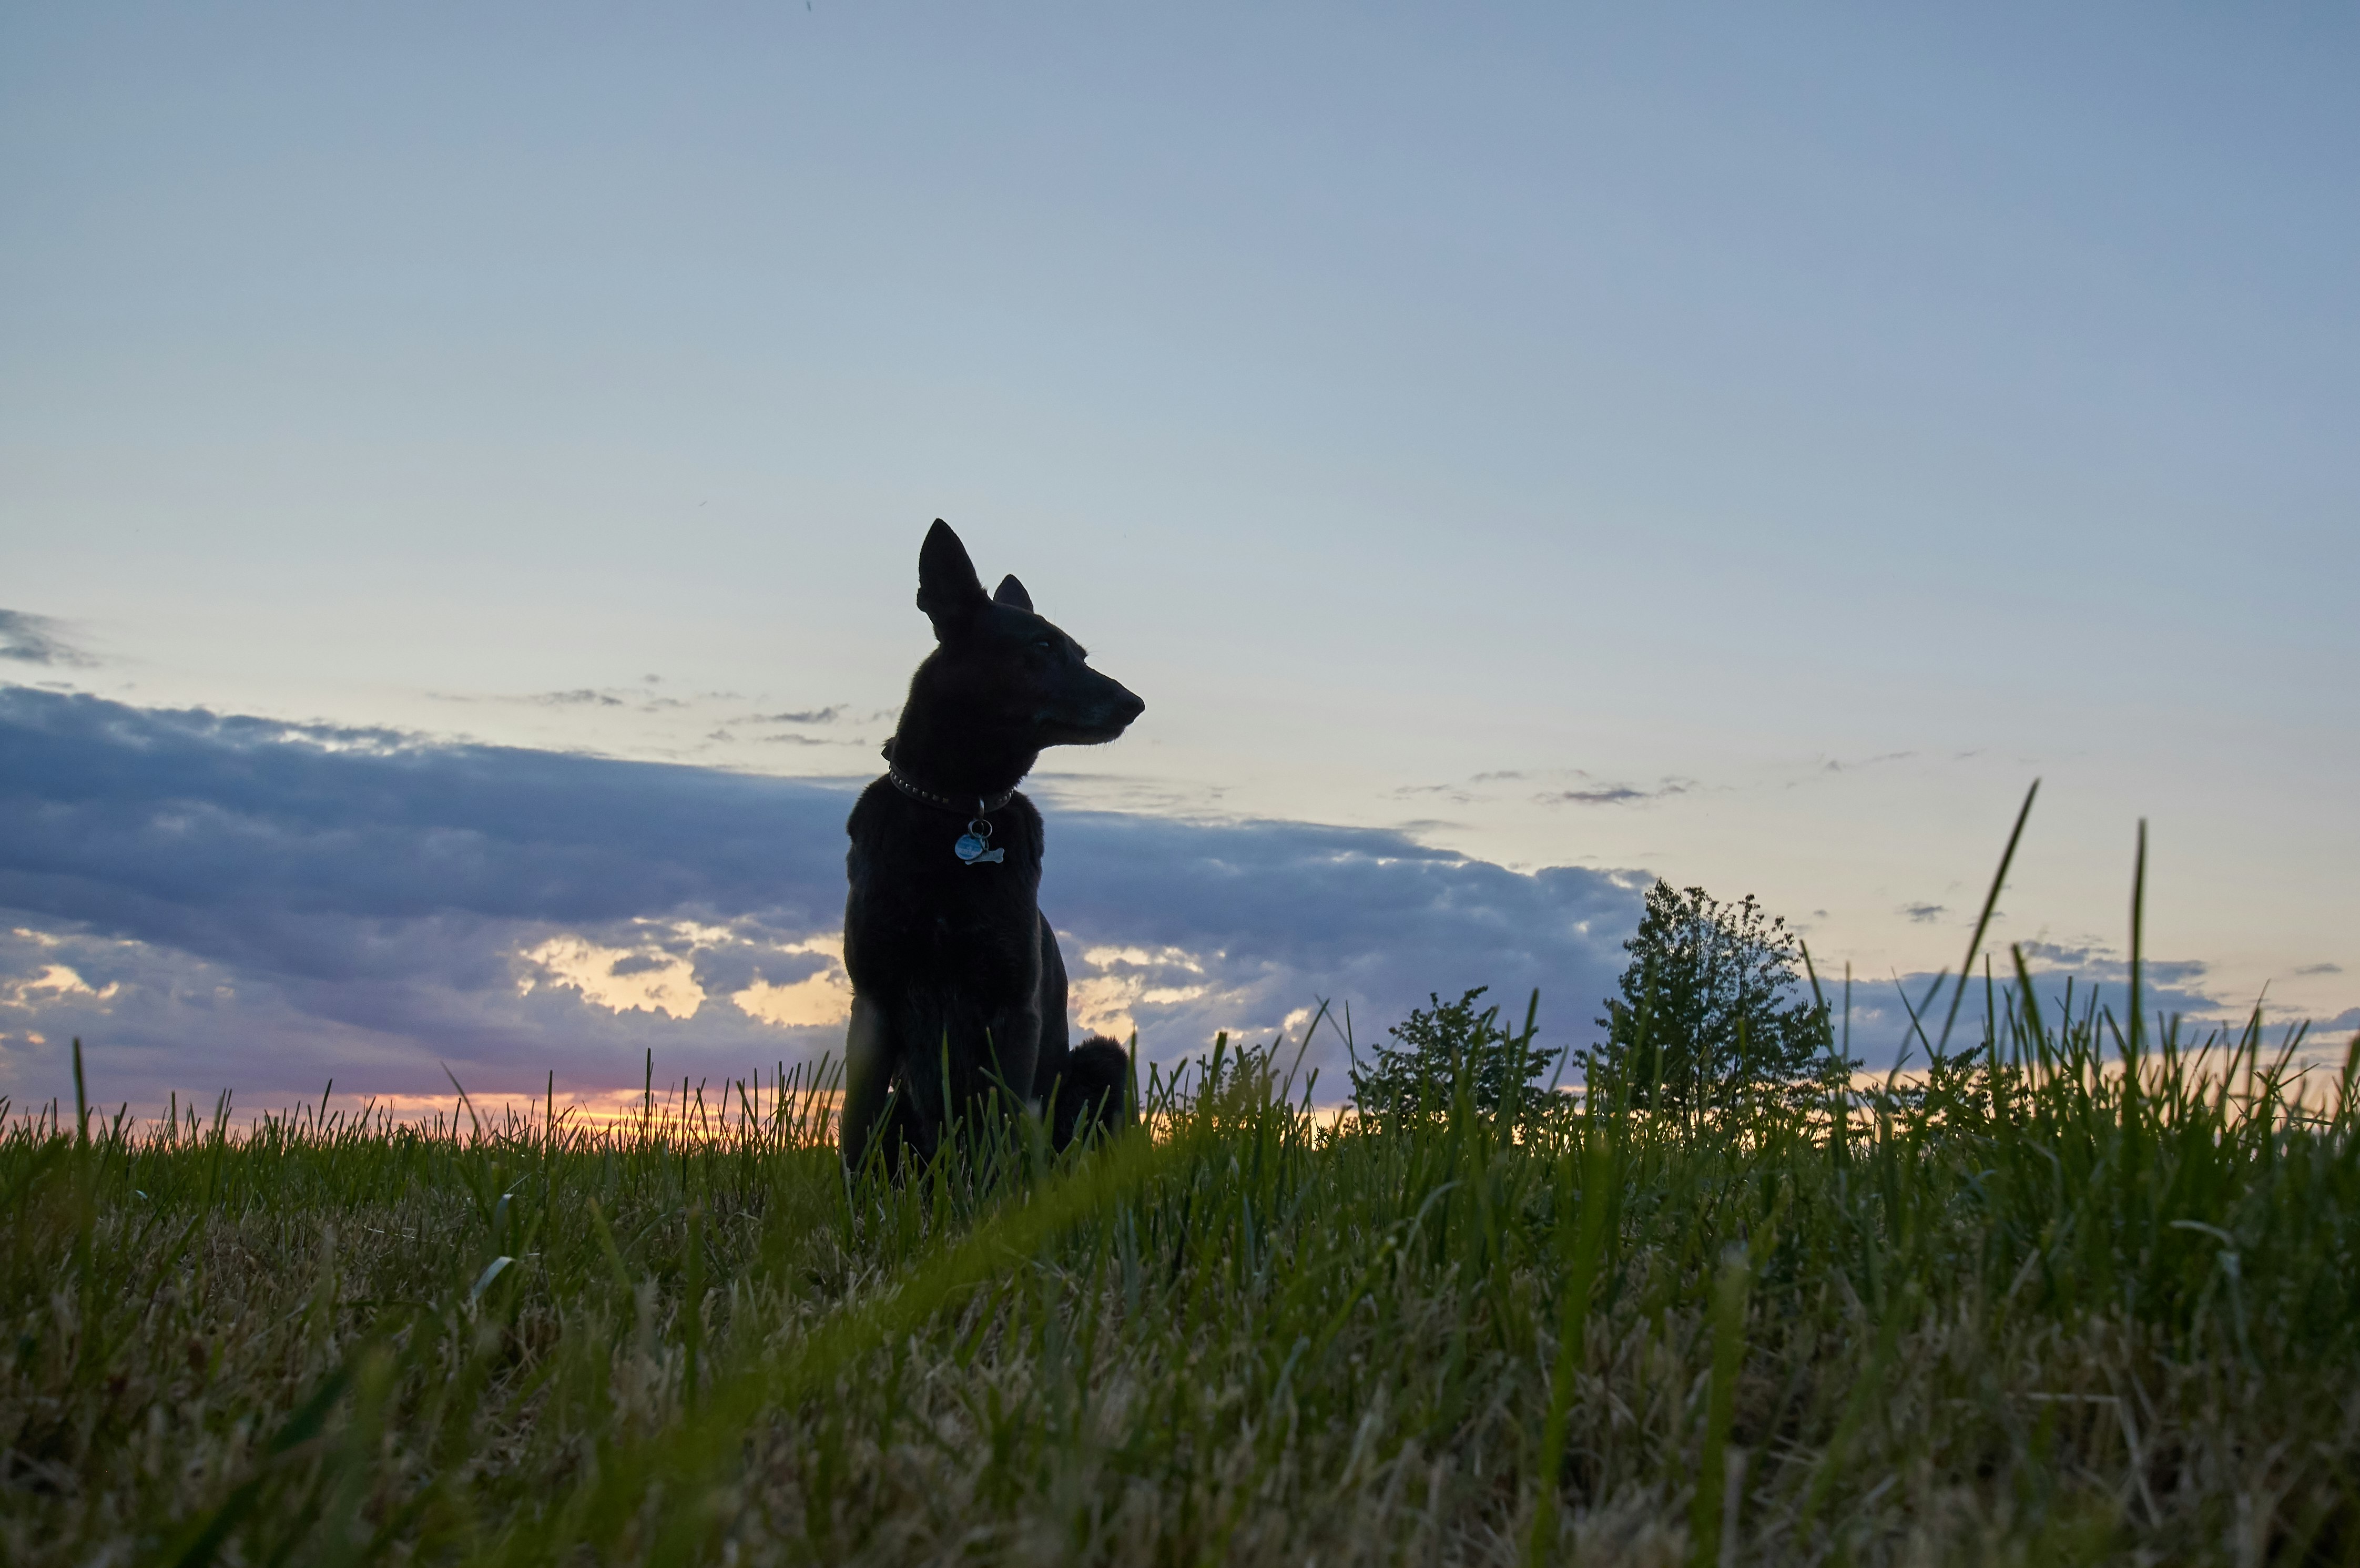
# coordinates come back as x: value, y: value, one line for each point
x: 1012, y: 592
x: 948, y: 589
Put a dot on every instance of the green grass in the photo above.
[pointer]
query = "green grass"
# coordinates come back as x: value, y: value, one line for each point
x: 2031, y: 1307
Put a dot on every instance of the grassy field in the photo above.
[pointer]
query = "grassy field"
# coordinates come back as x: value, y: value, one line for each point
x: 2032, y: 1307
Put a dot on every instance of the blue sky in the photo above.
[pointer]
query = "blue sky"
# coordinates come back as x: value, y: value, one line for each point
x: 1740, y: 446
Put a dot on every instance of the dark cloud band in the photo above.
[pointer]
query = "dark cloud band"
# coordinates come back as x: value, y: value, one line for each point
x: 275, y: 904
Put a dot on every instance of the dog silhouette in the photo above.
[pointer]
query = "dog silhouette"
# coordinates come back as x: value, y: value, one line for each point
x: 958, y: 990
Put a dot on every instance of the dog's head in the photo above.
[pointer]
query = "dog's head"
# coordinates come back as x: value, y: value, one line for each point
x: 1005, y: 667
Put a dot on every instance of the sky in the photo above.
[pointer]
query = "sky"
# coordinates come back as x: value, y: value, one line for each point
x: 1518, y: 452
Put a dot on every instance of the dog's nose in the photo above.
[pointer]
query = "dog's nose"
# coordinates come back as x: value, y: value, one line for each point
x: 1131, y: 705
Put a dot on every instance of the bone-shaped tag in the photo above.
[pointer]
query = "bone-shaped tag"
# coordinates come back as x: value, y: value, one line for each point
x: 969, y: 848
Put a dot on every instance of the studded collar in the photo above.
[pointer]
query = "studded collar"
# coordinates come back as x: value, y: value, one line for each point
x: 983, y: 805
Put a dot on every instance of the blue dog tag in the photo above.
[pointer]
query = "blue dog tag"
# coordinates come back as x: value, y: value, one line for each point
x: 970, y: 847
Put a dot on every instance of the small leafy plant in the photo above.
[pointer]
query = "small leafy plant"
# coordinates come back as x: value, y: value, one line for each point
x: 1450, y: 1049
x: 1711, y: 1008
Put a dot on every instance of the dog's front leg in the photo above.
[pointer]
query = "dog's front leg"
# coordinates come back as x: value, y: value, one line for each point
x: 868, y: 1062
x: 1014, y: 1035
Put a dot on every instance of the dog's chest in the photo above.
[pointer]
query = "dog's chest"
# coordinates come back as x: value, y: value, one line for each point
x: 961, y: 912
x: 918, y: 910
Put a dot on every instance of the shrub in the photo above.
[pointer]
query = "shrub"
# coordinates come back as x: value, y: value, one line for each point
x: 1438, y: 1049
x: 1712, y: 1006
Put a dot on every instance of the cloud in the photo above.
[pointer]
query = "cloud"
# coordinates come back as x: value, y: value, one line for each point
x: 820, y: 999
x: 36, y: 639
x: 1925, y: 914
x: 54, y: 983
x: 218, y: 900
x: 1837, y: 764
x: 274, y: 900
x: 1586, y: 792
x: 661, y: 975
x: 826, y: 716
x: 2096, y: 962
x: 619, y: 979
x: 211, y: 901
x: 2099, y: 977
x: 578, y: 697
x: 1589, y: 791
x: 2320, y: 969
x: 1616, y: 794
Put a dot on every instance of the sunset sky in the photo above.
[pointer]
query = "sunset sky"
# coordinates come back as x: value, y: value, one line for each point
x: 461, y: 471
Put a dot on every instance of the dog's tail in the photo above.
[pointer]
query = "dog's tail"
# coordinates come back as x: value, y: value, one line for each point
x: 1094, y: 1093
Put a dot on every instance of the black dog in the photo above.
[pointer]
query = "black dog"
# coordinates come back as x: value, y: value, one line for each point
x: 958, y: 991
